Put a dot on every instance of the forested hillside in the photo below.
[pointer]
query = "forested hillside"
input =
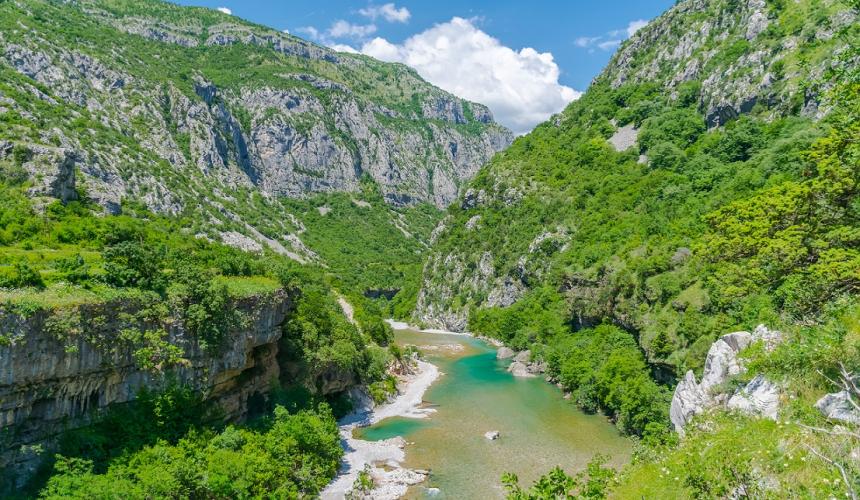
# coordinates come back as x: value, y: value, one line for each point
x: 706, y: 183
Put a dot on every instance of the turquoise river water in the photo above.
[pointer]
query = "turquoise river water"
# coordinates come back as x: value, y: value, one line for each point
x: 475, y: 394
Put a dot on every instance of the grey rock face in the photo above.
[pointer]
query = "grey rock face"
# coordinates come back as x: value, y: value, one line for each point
x: 49, y: 383
x: 685, y: 40
x: 837, y: 406
x: 53, y: 172
x: 624, y: 138
x: 759, y: 396
x: 689, y: 400
x: 304, y: 135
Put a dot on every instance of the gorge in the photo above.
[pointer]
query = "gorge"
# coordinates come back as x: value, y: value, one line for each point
x: 207, y: 226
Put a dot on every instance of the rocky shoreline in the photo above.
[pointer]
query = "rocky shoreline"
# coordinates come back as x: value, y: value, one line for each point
x: 383, y: 459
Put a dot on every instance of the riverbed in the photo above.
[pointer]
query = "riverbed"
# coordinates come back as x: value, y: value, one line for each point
x: 475, y: 394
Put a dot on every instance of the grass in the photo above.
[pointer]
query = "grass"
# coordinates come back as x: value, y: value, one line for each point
x: 729, y: 450
x: 248, y: 286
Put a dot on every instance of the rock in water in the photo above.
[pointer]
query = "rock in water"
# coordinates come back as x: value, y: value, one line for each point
x: 504, y: 353
x: 492, y: 435
x: 523, y: 356
x: 520, y: 369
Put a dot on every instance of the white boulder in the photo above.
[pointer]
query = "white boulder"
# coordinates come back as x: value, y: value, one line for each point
x: 492, y: 435
x: 837, y: 406
x: 760, y: 397
x: 505, y: 353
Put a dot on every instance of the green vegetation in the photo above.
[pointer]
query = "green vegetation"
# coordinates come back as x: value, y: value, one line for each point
x: 119, y: 283
x: 593, y: 482
x: 161, y: 447
x: 368, y: 245
x: 632, y: 267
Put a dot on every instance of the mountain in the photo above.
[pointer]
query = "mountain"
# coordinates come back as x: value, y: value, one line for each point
x: 708, y: 104
x: 191, y: 111
x: 678, y: 250
x: 197, y: 216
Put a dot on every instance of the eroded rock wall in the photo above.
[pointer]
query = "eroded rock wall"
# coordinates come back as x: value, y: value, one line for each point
x: 56, y: 375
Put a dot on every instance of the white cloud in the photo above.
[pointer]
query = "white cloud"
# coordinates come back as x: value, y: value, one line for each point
x: 520, y: 87
x: 286, y: 31
x: 635, y: 26
x: 586, y: 41
x: 612, y: 39
x: 339, y: 29
x: 340, y: 47
x: 609, y: 44
x: 310, y: 31
x: 225, y: 10
x: 389, y: 12
x: 342, y: 29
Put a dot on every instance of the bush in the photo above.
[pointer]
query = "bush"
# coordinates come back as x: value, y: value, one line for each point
x: 296, y: 455
x: 667, y: 156
x: 21, y: 275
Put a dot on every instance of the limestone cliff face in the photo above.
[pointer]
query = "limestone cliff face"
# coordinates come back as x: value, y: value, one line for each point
x: 193, y: 111
x: 682, y: 46
x: 58, y: 369
x: 316, y: 122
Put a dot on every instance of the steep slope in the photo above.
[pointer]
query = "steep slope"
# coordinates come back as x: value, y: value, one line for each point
x: 192, y: 111
x: 704, y: 187
x: 582, y: 209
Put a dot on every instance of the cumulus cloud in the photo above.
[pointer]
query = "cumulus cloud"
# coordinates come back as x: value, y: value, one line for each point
x: 225, y: 10
x: 635, y: 26
x: 338, y: 30
x: 520, y: 87
x: 341, y: 47
x: 389, y: 12
x: 341, y: 29
x: 612, y: 39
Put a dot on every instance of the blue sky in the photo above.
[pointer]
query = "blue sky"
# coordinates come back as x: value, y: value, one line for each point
x: 524, y: 60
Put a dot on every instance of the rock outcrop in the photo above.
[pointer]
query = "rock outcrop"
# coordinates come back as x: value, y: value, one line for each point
x: 524, y: 366
x: 59, y: 369
x: 838, y: 406
x: 505, y: 353
x: 689, y: 35
x: 146, y: 118
x: 759, y: 397
x: 722, y: 59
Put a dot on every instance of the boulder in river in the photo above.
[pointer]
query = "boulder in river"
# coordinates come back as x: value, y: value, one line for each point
x: 492, y: 435
x: 520, y: 369
x: 504, y: 353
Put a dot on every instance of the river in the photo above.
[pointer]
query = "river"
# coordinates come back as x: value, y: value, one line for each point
x: 475, y: 394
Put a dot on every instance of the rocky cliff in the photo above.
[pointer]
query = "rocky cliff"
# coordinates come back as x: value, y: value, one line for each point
x: 193, y: 111
x: 59, y: 368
